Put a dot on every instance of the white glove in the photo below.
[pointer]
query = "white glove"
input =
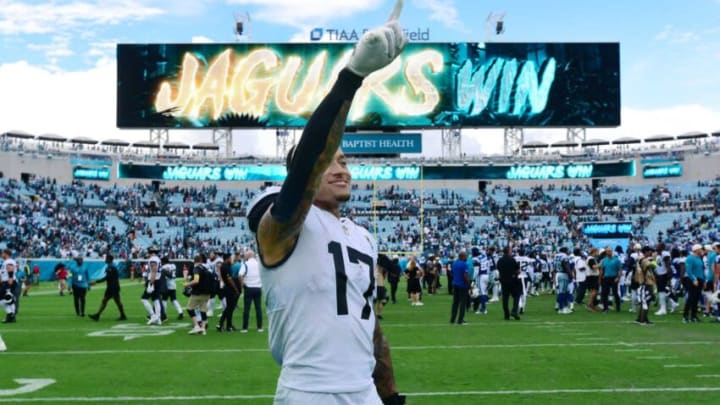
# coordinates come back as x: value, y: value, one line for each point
x: 378, y: 47
x: 150, y: 288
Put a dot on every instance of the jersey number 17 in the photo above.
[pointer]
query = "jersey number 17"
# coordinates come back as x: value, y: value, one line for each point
x: 357, y: 257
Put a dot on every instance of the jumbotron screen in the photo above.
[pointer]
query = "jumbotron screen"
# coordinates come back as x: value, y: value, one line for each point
x: 430, y: 85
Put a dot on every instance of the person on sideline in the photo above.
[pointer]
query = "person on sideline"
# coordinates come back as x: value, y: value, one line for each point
x: 509, y: 270
x: 460, y: 286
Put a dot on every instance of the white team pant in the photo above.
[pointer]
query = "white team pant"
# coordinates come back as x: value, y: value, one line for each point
x: 484, y: 283
x: 287, y: 396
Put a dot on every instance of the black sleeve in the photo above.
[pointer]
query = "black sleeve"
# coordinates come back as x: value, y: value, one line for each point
x: 312, y: 143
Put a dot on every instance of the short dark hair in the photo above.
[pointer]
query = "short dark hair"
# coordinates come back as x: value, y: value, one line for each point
x: 109, y: 258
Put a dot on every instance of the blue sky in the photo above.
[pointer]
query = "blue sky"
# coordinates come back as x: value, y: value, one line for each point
x: 58, y: 56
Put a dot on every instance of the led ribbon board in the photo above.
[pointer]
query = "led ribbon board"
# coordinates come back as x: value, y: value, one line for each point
x: 659, y: 171
x: 607, y: 230
x: 429, y: 85
x: 586, y: 170
x: 255, y: 172
x: 91, y: 173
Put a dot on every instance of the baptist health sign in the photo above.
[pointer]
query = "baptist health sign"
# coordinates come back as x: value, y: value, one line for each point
x: 381, y: 144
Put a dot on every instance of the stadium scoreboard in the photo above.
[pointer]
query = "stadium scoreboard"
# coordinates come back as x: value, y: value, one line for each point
x: 430, y: 85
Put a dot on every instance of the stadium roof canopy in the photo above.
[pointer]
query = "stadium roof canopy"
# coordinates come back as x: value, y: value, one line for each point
x: 51, y: 138
x: 18, y: 134
x: 660, y: 138
x: 176, y: 145
x: 564, y: 144
x: 595, y: 142
x: 146, y: 144
x: 115, y: 142
x: 692, y: 135
x: 206, y: 146
x: 626, y: 140
x: 534, y: 145
x: 84, y: 140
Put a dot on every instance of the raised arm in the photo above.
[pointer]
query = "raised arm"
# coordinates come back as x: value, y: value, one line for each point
x: 280, y: 224
x: 321, y: 138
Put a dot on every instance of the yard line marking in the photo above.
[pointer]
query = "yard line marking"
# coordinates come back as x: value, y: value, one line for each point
x: 400, y: 348
x: 410, y: 394
x: 592, y: 338
x: 576, y: 334
x: 631, y: 350
x: 682, y: 365
x: 708, y: 376
x: 656, y: 357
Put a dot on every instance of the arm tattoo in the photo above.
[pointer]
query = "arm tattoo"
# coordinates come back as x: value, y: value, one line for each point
x: 383, y: 374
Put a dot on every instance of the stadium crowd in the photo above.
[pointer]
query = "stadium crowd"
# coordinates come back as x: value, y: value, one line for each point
x: 44, y: 219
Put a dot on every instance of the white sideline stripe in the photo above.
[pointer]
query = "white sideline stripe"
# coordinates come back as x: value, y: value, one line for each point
x: 498, y: 321
x: 631, y: 350
x: 592, y: 338
x: 708, y: 376
x: 682, y: 365
x: 411, y: 394
x: 95, y: 287
x: 575, y: 334
x: 656, y: 357
x: 395, y: 348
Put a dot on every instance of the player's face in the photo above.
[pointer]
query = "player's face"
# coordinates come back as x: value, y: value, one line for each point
x: 335, y: 183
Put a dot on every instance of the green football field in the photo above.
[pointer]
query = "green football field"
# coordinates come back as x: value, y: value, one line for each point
x: 584, y: 358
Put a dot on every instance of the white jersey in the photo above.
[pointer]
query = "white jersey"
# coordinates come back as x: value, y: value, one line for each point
x: 153, y: 261
x: 581, y: 270
x: 5, y: 269
x: 168, y: 270
x: 319, y: 307
x: 527, y: 266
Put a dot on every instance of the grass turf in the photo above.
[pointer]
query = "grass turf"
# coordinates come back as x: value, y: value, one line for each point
x: 544, y: 358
